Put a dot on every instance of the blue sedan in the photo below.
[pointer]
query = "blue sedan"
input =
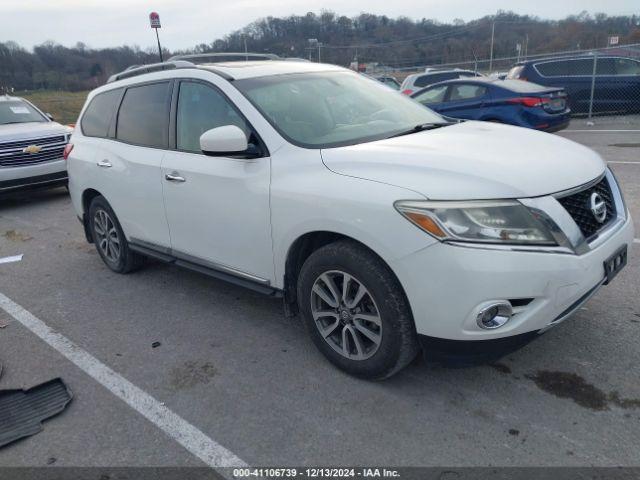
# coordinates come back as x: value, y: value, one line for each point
x: 514, y: 102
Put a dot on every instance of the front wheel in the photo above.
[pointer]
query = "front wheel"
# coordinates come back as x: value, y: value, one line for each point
x: 356, y: 311
x: 109, y: 238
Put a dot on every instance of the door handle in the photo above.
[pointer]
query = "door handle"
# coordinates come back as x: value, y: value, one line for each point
x: 174, y: 177
x: 104, y: 164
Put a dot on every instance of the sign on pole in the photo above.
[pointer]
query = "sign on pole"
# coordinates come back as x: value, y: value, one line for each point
x: 614, y: 40
x: 154, y: 20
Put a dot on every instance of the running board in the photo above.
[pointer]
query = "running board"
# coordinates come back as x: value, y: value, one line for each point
x: 165, y: 255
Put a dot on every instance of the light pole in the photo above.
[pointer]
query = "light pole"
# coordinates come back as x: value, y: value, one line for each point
x: 314, y: 42
x: 493, y: 35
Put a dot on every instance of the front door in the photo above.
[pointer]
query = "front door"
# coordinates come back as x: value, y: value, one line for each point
x: 465, y: 101
x: 217, y: 207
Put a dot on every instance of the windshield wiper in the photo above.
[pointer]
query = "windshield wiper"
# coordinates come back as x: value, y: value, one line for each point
x: 421, y: 128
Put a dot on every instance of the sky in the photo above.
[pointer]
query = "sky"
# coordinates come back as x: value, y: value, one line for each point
x: 186, y: 23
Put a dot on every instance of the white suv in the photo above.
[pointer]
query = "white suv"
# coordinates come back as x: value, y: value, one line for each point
x: 31, y: 147
x: 385, y: 226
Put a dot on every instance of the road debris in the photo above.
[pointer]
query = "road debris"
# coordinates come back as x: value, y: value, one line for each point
x: 14, y: 258
x: 23, y: 411
x: 16, y: 236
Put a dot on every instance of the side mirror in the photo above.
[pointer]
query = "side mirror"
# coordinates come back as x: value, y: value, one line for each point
x: 50, y: 117
x: 224, y: 141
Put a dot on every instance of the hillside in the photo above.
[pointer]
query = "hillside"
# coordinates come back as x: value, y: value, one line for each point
x: 398, y: 43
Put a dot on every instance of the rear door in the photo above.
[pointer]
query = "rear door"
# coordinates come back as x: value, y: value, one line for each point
x: 465, y: 100
x: 131, y: 164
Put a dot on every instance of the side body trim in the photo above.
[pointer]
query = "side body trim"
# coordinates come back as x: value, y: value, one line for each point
x: 221, y: 272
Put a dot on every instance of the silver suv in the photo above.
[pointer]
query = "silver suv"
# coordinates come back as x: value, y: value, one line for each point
x: 418, y: 81
x: 31, y: 147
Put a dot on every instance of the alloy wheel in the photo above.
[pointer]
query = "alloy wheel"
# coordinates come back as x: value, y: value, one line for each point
x: 346, y: 315
x: 108, y: 239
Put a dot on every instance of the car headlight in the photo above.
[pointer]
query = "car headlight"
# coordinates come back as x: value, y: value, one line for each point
x: 500, y: 221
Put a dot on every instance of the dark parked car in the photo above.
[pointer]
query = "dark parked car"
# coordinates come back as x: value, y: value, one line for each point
x: 523, y: 104
x: 617, y: 81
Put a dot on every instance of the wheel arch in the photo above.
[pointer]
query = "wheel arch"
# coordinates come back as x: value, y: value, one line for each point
x: 87, y: 197
x: 302, y: 247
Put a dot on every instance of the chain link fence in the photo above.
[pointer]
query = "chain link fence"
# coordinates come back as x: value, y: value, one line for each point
x: 602, y: 84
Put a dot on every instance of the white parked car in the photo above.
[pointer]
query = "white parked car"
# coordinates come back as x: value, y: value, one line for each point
x: 385, y: 226
x: 31, y: 147
x: 418, y: 81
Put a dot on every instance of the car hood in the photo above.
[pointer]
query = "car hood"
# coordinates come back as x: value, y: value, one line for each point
x: 26, y: 131
x: 471, y: 161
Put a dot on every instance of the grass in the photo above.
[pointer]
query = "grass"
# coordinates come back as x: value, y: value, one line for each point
x: 64, y: 106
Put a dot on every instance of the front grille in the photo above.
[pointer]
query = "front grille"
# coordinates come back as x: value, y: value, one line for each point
x: 579, y: 207
x: 11, y: 154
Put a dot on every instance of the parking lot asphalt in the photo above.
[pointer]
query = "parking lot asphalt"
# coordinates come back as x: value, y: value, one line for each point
x: 233, y: 366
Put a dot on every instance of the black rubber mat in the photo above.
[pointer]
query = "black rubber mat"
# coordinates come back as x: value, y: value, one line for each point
x: 23, y: 411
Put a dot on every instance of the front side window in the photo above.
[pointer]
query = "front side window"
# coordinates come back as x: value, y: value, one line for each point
x: 322, y: 110
x: 17, y: 111
x: 432, y: 95
x: 466, y: 92
x: 143, y: 118
x: 201, y: 108
x: 98, y: 115
x: 625, y: 66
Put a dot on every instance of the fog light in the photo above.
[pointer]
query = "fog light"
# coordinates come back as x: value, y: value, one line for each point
x: 494, y: 316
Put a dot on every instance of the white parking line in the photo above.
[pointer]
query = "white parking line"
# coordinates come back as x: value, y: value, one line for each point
x: 599, y: 131
x: 636, y: 240
x: 192, y: 439
x: 626, y: 163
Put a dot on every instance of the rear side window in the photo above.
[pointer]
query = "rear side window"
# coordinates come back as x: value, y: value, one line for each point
x: 430, y: 79
x: 624, y: 66
x: 97, y: 118
x: 144, y: 115
x: 553, y: 69
x: 466, y: 92
x: 425, y: 80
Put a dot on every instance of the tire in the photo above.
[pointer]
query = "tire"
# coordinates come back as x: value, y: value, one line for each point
x: 113, y: 247
x: 382, y: 311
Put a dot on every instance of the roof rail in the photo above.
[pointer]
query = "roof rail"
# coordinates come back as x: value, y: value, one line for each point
x: 136, y: 70
x: 224, y: 57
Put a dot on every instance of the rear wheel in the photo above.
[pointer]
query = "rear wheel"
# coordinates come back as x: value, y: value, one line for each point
x: 109, y: 238
x: 356, y: 311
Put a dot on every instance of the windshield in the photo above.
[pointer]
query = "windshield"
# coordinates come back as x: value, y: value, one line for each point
x: 321, y: 110
x: 18, y: 112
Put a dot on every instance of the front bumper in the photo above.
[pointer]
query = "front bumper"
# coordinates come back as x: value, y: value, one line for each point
x: 33, y: 176
x: 447, y: 285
